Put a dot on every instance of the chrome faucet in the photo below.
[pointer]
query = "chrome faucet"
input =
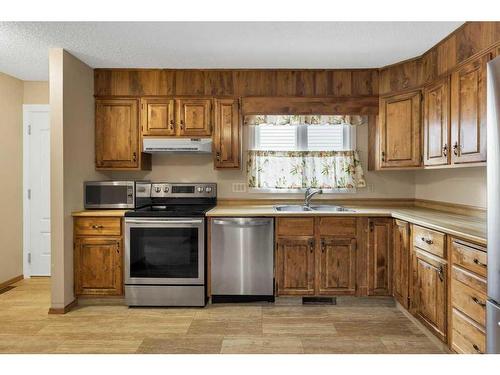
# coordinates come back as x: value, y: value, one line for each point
x: 308, y: 196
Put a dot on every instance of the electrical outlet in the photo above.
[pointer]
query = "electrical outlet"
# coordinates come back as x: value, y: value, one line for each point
x: 239, y: 187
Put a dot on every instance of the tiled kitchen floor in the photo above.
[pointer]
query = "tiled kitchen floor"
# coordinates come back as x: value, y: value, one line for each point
x: 353, y: 326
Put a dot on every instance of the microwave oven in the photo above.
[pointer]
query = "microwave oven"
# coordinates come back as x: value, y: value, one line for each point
x: 113, y: 194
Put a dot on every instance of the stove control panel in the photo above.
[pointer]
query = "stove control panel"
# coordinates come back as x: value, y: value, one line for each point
x: 181, y: 190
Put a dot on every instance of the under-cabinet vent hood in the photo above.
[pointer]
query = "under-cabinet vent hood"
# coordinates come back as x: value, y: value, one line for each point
x: 198, y: 145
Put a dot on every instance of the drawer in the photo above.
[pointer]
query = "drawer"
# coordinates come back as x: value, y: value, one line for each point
x: 429, y: 240
x: 98, y: 226
x: 341, y: 226
x: 470, y: 257
x: 295, y: 226
x: 470, y: 300
x: 467, y: 336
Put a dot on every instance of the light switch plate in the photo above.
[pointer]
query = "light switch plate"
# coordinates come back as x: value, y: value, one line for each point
x: 239, y: 187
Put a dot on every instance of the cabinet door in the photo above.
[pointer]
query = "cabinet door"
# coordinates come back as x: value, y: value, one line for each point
x: 436, y: 123
x: 117, y: 133
x: 158, y: 117
x: 468, y: 112
x: 193, y: 116
x: 227, y: 134
x: 295, y: 266
x: 337, y: 266
x: 400, y: 122
x: 98, y: 266
x: 430, y: 284
x: 401, y: 261
x: 379, y: 256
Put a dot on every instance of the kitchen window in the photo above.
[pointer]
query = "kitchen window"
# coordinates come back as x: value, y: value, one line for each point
x: 291, y: 153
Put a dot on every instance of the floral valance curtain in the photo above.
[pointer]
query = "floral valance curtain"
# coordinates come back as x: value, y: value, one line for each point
x: 305, y: 120
x: 285, y: 170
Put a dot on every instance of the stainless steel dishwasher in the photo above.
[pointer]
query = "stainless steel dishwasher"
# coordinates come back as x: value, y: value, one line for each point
x: 242, y: 259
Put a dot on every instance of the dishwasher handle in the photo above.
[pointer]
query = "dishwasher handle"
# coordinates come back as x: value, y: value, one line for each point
x: 246, y: 222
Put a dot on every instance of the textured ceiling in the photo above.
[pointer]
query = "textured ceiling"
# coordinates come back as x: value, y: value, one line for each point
x: 24, y: 46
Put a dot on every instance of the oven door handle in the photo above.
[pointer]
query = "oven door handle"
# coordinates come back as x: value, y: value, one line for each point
x: 167, y: 221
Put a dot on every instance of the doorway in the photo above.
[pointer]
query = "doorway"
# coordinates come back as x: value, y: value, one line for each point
x: 36, y: 190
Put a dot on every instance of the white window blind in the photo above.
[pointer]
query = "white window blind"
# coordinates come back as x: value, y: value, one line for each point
x: 277, y: 137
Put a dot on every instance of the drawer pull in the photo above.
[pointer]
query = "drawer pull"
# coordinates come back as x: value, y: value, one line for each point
x: 478, y: 301
x: 479, y: 263
x: 476, y: 348
x: 97, y: 226
x: 428, y: 242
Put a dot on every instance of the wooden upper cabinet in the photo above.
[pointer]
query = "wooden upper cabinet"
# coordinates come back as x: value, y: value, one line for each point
x: 295, y: 266
x: 379, y: 256
x: 158, y: 117
x: 399, y: 129
x: 194, y: 117
x: 227, y: 133
x: 429, y: 291
x: 98, y: 266
x: 436, y: 123
x: 401, y: 262
x: 117, y: 135
x: 337, y: 266
x: 468, y: 112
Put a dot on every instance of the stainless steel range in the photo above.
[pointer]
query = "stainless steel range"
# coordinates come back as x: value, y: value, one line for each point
x: 165, y: 246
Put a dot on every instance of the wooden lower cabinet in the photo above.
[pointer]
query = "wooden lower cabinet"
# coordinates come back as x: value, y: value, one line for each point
x: 401, y: 262
x: 295, y: 269
x: 429, y: 302
x: 379, y: 256
x: 337, y: 266
x: 98, y: 264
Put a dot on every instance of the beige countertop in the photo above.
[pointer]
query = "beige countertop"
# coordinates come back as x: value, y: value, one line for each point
x: 99, y: 213
x: 466, y: 227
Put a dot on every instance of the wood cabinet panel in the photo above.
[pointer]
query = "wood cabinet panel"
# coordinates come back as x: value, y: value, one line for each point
x: 194, y: 117
x: 429, y: 240
x: 379, y: 256
x: 401, y: 262
x: 468, y: 112
x: 295, y: 226
x: 400, y: 119
x: 337, y: 266
x: 97, y: 226
x: 436, y: 123
x: 158, y: 117
x: 467, y: 298
x: 295, y: 265
x: 98, y: 266
x: 430, y: 291
x: 467, y: 336
x: 470, y: 257
x: 227, y: 135
x: 117, y: 134
x: 337, y: 226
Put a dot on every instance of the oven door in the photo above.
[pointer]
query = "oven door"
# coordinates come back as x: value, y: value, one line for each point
x: 162, y: 251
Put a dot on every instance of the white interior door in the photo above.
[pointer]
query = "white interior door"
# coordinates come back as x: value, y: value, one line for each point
x: 37, y: 250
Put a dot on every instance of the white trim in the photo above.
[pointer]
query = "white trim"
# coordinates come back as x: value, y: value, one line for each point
x: 28, y: 108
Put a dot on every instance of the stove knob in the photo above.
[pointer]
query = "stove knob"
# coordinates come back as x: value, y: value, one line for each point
x: 200, y: 189
x: 158, y: 189
x: 208, y: 189
x: 165, y: 189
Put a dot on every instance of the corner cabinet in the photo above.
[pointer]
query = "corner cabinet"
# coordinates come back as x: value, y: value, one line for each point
x: 468, y: 112
x: 399, y: 131
x: 227, y: 134
x: 117, y: 136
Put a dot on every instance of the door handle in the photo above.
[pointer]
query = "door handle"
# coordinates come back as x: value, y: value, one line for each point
x: 383, y: 156
x: 455, y: 149
x: 134, y: 156
x: 445, y: 150
x: 311, y: 246
x: 441, y: 273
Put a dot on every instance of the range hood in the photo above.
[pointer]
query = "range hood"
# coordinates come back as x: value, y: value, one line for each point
x: 197, y: 145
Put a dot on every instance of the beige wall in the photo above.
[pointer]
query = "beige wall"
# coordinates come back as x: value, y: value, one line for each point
x: 11, y: 175
x: 199, y: 168
x: 460, y: 185
x: 72, y: 160
x: 35, y: 92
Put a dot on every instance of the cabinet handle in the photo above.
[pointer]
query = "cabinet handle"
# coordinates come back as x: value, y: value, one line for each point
x: 217, y: 156
x: 429, y: 242
x: 311, y: 246
x: 455, y: 149
x: 182, y: 125
x: 479, y: 263
x: 97, y: 226
x: 134, y: 156
x: 171, y: 124
x: 476, y: 348
x: 478, y: 301
x: 323, y: 246
x: 441, y: 273
x: 445, y: 150
x: 383, y: 156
